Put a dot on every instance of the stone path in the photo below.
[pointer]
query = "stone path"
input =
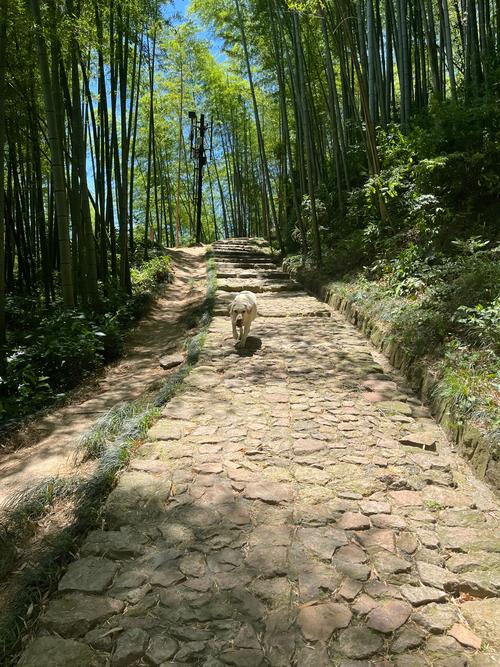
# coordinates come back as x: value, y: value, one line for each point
x: 295, y: 505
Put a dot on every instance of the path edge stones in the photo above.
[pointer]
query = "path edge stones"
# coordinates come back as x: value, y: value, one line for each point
x: 471, y: 443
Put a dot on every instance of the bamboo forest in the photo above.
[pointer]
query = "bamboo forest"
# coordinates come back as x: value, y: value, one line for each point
x: 334, y: 165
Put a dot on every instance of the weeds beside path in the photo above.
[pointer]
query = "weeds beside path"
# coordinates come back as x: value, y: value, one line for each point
x: 161, y: 332
x: 439, y: 322
x: 60, y: 509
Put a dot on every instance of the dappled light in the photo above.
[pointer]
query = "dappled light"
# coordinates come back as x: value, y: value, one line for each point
x: 284, y: 509
x: 183, y: 482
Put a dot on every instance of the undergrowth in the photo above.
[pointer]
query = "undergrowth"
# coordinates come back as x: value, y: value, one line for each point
x: 428, y: 268
x: 110, y: 442
x: 50, y: 349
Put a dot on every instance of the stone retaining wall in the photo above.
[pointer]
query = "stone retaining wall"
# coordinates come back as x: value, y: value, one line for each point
x: 468, y: 439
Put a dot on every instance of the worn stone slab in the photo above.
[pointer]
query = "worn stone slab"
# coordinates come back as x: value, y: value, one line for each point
x: 308, y: 446
x: 322, y: 541
x: 315, y: 579
x: 419, y: 595
x: 374, y: 507
x: 407, y: 639
x: 436, y: 618
x: 161, y: 648
x: 358, y: 571
x: 90, y: 575
x: 138, y: 498
x: 387, y: 563
x: 166, y: 429
x: 436, y: 577
x: 269, y: 561
x: 318, y: 622
x: 74, y: 614
x: 280, y: 536
x: 468, y: 539
x: 351, y: 553
x: 169, y: 361
x: 481, y: 583
x: 313, y: 656
x: 349, y: 589
x: 363, y: 604
x: 57, y: 652
x: 395, y: 408
x: 378, y: 538
x: 269, y: 492
x: 359, y: 642
x: 388, y: 616
x: 425, y: 440
x: 354, y: 521
x: 465, y: 636
x: 130, y: 647
x: 115, y: 544
x: 406, y: 498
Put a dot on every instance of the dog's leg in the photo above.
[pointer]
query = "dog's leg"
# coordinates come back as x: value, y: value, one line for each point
x: 235, y: 332
x: 245, y: 333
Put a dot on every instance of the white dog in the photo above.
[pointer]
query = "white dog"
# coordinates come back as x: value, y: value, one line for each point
x: 243, y: 311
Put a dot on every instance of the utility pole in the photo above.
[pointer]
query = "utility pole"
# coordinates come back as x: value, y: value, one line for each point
x: 198, y: 154
x: 202, y: 160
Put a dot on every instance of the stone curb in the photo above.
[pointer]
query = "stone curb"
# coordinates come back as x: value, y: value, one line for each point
x: 468, y: 439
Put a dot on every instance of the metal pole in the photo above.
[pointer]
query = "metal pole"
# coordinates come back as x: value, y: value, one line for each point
x: 201, y: 162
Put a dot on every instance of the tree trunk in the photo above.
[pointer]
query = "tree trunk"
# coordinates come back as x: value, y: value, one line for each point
x: 258, y: 127
x: 3, y: 69
x: 57, y: 161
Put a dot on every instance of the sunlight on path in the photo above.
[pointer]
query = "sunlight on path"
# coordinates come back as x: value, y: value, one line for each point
x: 295, y: 505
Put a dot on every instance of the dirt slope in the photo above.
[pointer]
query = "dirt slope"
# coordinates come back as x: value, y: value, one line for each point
x: 55, y: 435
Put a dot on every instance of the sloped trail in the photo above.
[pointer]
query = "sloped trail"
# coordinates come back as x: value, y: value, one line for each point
x: 53, y: 437
x: 288, y: 509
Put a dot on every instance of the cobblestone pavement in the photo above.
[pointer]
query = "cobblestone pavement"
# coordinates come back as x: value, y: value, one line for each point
x: 295, y: 505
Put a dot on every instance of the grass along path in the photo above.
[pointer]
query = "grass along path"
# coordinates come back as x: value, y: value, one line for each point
x: 282, y: 512
x: 49, y: 520
x: 53, y: 436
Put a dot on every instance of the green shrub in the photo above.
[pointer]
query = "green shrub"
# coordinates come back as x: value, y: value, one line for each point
x: 151, y: 273
x: 480, y: 325
x: 51, y: 350
x: 471, y: 379
x: 63, y: 349
x: 448, y: 296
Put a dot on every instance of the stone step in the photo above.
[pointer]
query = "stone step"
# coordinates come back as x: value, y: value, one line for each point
x: 230, y: 242
x: 239, y: 244
x: 256, y: 287
x: 248, y: 259
x: 235, y: 248
x: 241, y: 267
x: 234, y: 269
x: 239, y: 251
x: 250, y: 274
x: 243, y: 255
x: 281, y: 304
x: 245, y: 259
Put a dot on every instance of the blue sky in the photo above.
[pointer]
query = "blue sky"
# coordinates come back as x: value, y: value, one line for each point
x: 180, y: 7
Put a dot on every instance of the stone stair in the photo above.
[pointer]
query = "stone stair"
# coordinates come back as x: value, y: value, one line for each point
x: 244, y: 264
x: 295, y: 504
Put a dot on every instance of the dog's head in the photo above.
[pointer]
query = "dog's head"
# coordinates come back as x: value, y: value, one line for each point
x: 238, y: 310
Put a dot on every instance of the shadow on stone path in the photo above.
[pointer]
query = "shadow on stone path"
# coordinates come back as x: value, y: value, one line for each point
x: 295, y: 505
